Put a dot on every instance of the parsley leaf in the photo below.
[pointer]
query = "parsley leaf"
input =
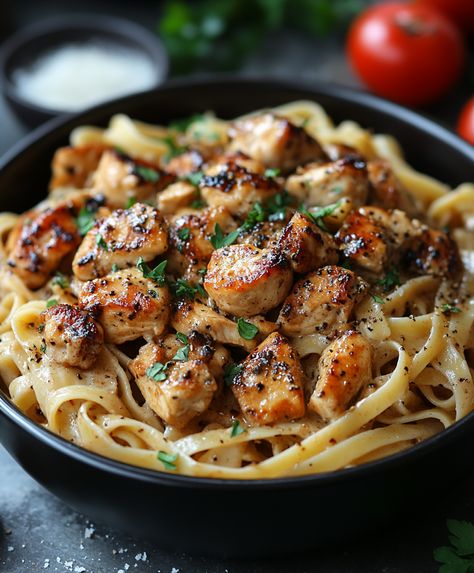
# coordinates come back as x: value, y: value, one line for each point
x: 173, y: 148
x: 130, y: 202
x: 146, y: 173
x: 378, y: 298
x: 247, y: 330
x: 390, y: 280
x: 449, y: 308
x: 459, y: 558
x: 60, y: 280
x: 194, y: 178
x: 272, y: 172
x: 219, y: 240
x: 167, y: 460
x: 85, y: 220
x: 183, y: 353
x: 115, y: 268
x: 43, y: 348
x: 236, y: 429
x: 230, y: 372
x: 157, y: 274
x: 51, y: 302
x: 184, y: 233
x: 186, y: 290
x: 256, y: 215
x: 100, y: 242
x: 317, y: 214
x: 157, y: 371
x: 182, y: 125
x: 277, y: 205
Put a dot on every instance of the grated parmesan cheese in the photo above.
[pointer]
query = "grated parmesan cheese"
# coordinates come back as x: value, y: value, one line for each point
x: 76, y: 76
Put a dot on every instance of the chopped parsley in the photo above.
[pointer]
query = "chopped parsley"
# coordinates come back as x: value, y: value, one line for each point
x: 247, y: 330
x: 43, y: 348
x: 276, y: 206
x: 236, y: 429
x: 184, y: 233
x: 194, y: 178
x: 168, y: 460
x: 60, y: 280
x: 183, y: 289
x: 183, y: 353
x: 41, y: 327
x: 115, y: 268
x: 130, y: 202
x: 230, y: 372
x: 390, y: 280
x: 318, y: 214
x: 219, y: 240
x: 146, y: 173
x: 173, y: 148
x: 157, y: 274
x: 459, y: 556
x: 181, y: 125
x: 198, y: 204
x: 272, y: 172
x: 378, y: 298
x: 100, y: 242
x: 256, y: 215
x: 51, y: 302
x: 157, y: 371
x: 85, y: 220
x: 449, y: 308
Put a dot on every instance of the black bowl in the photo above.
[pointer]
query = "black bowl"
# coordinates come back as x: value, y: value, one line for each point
x: 27, y: 44
x: 238, y: 518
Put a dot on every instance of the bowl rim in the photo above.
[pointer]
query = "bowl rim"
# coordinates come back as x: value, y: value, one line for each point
x: 151, y: 476
x: 145, y: 41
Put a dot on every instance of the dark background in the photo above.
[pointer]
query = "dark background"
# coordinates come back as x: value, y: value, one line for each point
x: 39, y: 533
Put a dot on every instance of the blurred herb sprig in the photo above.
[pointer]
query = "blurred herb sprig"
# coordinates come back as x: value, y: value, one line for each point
x: 221, y: 34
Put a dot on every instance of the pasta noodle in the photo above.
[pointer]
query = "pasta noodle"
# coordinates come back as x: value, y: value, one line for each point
x: 420, y: 330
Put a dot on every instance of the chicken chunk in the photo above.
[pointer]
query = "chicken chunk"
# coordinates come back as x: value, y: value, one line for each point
x: 72, y: 337
x: 185, y: 392
x: 321, y: 302
x: 127, y: 305
x: 387, y: 191
x: 345, y: 368
x: 269, y: 387
x: 185, y: 163
x: 325, y: 183
x: 433, y: 253
x: 195, y: 316
x: 175, y: 196
x: 40, y: 241
x: 371, y: 237
x: 121, y: 178
x: 274, y: 141
x: 306, y: 246
x: 237, y: 184
x: 190, y: 245
x: 263, y: 235
x: 74, y: 166
x: 245, y: 281
x: 120, y: 240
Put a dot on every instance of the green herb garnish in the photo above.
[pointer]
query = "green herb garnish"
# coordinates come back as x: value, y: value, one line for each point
x: 390, y: 280
x: 194, y: 178
x: 183, y: 353
x: 146, y: 173
x: 130, y: 202
x: 167, y: 460
x: 230, y: 372
x: 184, y: 233
x: 276, y: 206
x: 60, y: 280
x: 173, y: 148
x: 100, y: 242
x: 182, y: 125
x: 115, y: 268
x: 317, y: 214
x: 85, y: 220
x: 183, y: 289
x: 246, y: 329
x: 51, y: 302
x: 219, y: 240
x: 256, y: 215
x: 459, y: 556
x: 236, y: 429
x: 157, y: 274
x: 449, y: 308
x: 43, y: 348
x: 271, y: 172
x: 378, y: 298
x: 157, y: 371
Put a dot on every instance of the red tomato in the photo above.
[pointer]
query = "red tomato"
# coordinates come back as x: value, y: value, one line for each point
x: 465, y: 126
x: 461, y: 12
x: 406, y: 52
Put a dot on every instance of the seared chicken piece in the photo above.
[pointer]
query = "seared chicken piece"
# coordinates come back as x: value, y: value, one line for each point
x: 120, y: 240
x: 321, y: 302
x: 274, y: 141
x: 306, y: 246
x: 190, y: 245
x: 190, y: 316
x: 175, y: 196
x: 325, y: 183
x: 185, y: 392
x: 39, y: 242
x: 263, y: 235
x: 337, y: 151
x: 121, y: 178
x: 371, y: 237
x: 387, y: 191
x: 236, y: 183
x: 433, y: 253
x: 269, y: 388
x: 73, y: 338
x: 127, y: 305
x: 185, y: 163
x: 345, y: 367
x: 74, y: 166
x: 245, y: 281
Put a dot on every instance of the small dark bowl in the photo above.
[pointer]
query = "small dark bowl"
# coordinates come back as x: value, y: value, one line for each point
x: 23, y: 47
x: 239, y: 518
